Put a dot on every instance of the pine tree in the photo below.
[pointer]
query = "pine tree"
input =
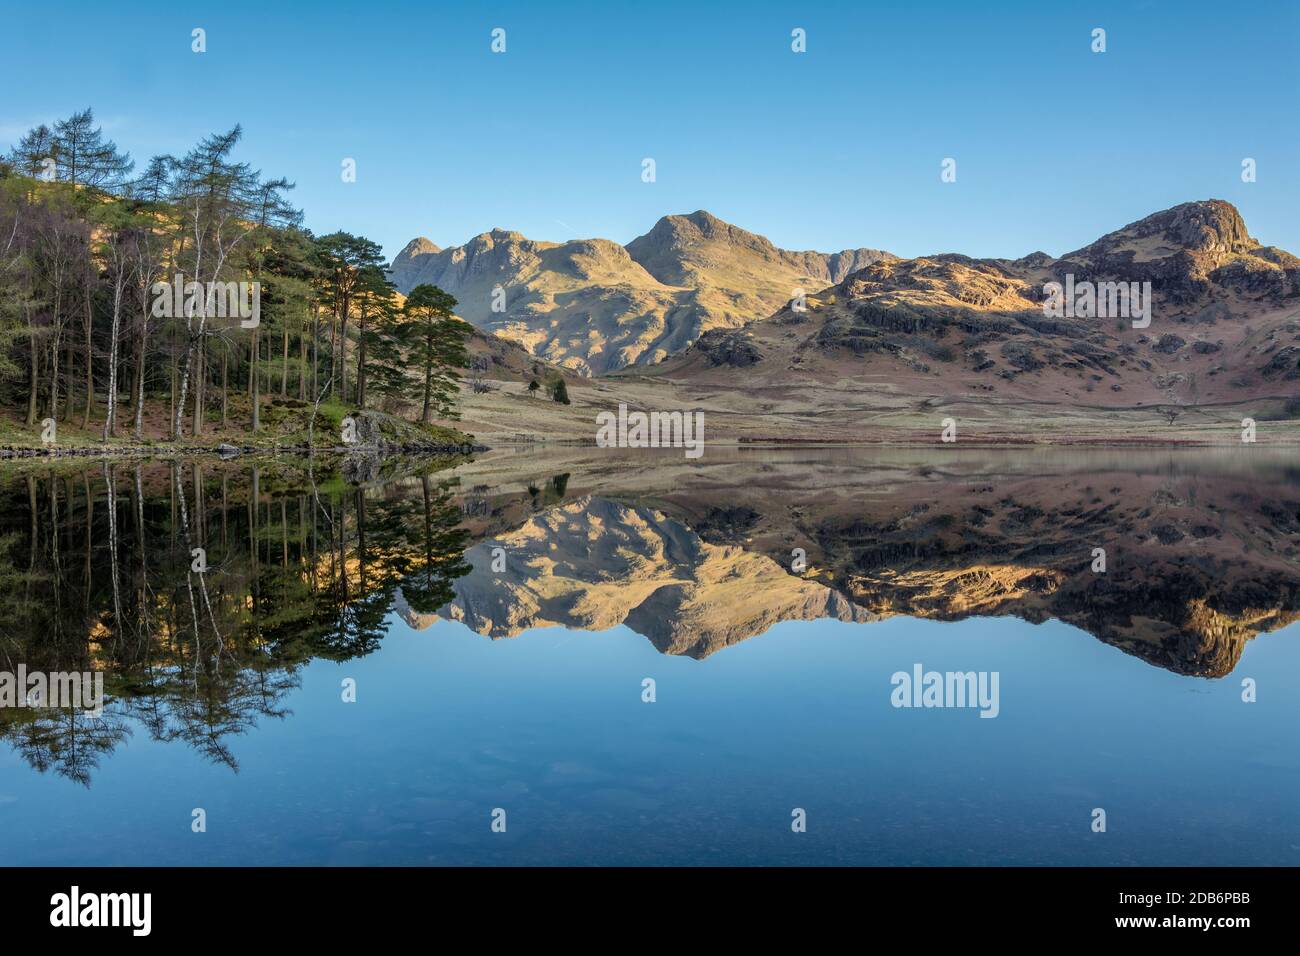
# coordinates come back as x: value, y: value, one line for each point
x: 351, y: 263
x: 83, y: 157
x: 376, y: 300
x: 33, y: 150
x: 436, y: 342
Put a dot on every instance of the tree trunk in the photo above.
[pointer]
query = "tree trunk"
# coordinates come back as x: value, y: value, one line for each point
x: 139, y: 370
x: 302, y: 366
x: 361, y: 360
x: 90, y: 366
x: 183, y: 387
x: 428, y: 383
x: 54, y: 372
x: 54, y: 354
x: 200, y: 385
x: 178, y: 402
x: 110, y: 413
x: 139, y: 384
x: 252, y: 381
x: 343, y: 352
x: 315, y: 350
x: 33, y: 376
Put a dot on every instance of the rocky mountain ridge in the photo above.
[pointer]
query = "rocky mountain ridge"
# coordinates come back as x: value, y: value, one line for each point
x: 595, y: 306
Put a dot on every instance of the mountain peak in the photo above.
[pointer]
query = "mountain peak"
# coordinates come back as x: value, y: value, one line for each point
x: 1184, y: 251
x: 703, y: 219
x: 679, y: 245
x: 418, y: 246
x: 1209, y: 226
x: 700, y: 225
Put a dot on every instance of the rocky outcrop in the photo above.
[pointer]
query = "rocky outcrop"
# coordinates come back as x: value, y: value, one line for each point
x: 1184, y: 252
x: 732, y: 348
x: 1285, y: 363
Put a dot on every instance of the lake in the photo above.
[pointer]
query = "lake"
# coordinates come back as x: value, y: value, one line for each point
x: 582, y: 656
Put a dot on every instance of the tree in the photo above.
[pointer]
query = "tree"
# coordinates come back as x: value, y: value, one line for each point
x: 34, y: 153
x: 274, y: 215
x: 478, y: 380
x: 91, y: 165
x: 153, y: 183
x: 59, y: 250
x: 533, y: 387
x: 352, y: 265
x: 222, y: 204
x: 82, y: 156
x: 386, y: 376
x: 119, y: 251
x: 149, y: 241
x: 376, y: 299
x: 558, y: 391
x: 290, y: 267
x: 16, y: 302
x: 436, y: 340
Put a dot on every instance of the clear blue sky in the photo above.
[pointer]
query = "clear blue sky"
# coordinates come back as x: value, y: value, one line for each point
x: 838, y: 147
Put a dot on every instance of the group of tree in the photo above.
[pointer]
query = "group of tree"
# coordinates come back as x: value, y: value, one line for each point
x: 555, y: 388
x: 85, y: 338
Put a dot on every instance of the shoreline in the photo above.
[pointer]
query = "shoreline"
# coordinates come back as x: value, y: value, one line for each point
x: 227, y: 452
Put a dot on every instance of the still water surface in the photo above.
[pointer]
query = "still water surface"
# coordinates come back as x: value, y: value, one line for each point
x: 1119, y: 690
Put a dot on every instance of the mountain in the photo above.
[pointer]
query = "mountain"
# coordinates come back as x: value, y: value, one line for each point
x: 948, y: 329
x: 583, y: 304
x: 595, y: 306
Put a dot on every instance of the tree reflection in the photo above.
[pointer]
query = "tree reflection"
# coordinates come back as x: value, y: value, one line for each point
x: 201, y: 589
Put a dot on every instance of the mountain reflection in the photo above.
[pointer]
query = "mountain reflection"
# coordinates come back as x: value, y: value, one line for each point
x: 1202, y: 549
x: 202, y: 588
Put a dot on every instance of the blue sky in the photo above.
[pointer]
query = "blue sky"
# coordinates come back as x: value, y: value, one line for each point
x: 837, y: 147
